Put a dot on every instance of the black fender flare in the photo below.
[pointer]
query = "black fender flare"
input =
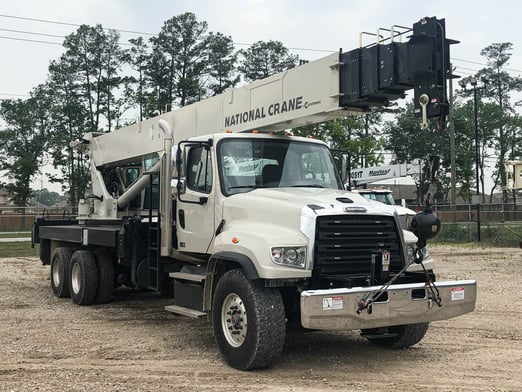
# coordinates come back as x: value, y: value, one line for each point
x: 245, y: 262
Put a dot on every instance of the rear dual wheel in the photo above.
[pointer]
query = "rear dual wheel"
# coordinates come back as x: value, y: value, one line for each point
x: 91, y: 277
x: 105, y: 276
x: 83, y: 277
x: 60, y: 265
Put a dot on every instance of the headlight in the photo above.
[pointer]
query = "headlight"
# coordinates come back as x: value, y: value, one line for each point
x: 290, y: 256
x: 411, y: 249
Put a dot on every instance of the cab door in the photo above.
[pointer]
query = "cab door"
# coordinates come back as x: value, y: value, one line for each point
x: 195, y: 204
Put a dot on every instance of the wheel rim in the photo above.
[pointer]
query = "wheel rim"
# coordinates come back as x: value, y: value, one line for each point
x: 75, y: 278
x: 57, y: 268
x: 234, y: 320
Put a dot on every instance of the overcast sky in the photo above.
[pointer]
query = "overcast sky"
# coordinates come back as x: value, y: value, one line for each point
x: 320, y: 25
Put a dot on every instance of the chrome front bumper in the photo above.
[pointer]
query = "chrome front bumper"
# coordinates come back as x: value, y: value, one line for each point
x: 336, y: 309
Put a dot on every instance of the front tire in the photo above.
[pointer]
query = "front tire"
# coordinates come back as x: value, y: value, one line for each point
x: 398, y: 336
x: 248, y: 321
x: 83, y: 277
x: 60, y: 263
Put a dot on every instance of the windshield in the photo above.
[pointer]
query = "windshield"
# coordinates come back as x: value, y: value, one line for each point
x: 247, y: 164
x: 385, y: 198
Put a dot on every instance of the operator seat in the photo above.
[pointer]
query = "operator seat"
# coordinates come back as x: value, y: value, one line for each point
x: 271, y: 175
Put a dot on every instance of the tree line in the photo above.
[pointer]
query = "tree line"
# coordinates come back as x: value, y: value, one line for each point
x: 98, y: 81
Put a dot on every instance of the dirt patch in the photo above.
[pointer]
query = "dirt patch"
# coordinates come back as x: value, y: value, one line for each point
x: 132, y: 344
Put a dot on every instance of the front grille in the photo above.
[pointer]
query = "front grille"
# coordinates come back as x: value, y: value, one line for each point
x: 344, y: 244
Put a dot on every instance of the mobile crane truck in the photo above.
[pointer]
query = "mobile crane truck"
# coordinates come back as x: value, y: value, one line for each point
x: 254, y: 230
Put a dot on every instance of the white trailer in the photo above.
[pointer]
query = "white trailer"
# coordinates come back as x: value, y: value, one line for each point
x: 259, y: 232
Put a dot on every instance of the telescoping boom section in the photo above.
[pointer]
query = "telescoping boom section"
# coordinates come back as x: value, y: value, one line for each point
x: 324, y: 89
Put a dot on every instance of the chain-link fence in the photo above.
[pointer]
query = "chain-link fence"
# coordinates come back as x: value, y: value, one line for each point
x: 499, y: 224
x: 496, y: 224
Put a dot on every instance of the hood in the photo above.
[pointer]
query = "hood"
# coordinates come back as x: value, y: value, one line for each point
x: 285, y: 205
x: 404, y: 211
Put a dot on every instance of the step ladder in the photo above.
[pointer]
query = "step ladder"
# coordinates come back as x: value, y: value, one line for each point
x: 184, y: 311
x: 154, y: 238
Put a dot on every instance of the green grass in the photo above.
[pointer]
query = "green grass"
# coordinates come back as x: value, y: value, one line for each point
x: 16, y: 235
x: 18, y: 249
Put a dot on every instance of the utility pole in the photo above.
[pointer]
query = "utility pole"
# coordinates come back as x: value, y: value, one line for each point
x: 477, y: 140
x: 478, y: 166
x: 478, y: 161
x: 452, y: 144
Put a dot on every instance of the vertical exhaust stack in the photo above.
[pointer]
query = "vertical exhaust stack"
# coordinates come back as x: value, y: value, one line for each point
x: 165, y: 191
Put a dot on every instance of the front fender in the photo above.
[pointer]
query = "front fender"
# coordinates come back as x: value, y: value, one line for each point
x: 246, y: 263
x: 254, y: 243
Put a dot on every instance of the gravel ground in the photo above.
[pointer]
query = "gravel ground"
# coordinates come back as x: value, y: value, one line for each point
x: 132, y: 344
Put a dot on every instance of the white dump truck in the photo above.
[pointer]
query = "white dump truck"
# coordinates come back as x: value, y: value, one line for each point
x: 258, y: 234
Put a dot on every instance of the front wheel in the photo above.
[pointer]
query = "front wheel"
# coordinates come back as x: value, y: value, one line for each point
x: 398, y: 336
x: 248, y: 321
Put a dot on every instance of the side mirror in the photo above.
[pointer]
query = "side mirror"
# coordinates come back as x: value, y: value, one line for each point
x: 345, y: 170
x: 181, y: 187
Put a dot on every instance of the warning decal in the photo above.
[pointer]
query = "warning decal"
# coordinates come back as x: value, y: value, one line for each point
x: 457, y: 293
x: 332, y: 303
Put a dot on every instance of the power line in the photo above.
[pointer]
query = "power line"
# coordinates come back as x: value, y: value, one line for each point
x: 121, y: 43
x: 292, y: 48
x: 468, y: 61
x: 70, y: 24
x: 127, y: 31
x: 482, y: 64
x: 467, y: 69
x: 465, y: 73
x: 32, y: 33
x: 31, y: 40
x: 151, y: 34
x: 41, y: 34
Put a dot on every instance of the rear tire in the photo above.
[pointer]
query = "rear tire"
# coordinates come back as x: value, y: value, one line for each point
x: 83, y: 277
x: 248, y: 321
x: 60, y: 263
x: 105, y: 276
x: 398, y: 336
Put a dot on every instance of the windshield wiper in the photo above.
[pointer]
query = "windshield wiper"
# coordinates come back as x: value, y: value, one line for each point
x: 249, y: 187
x: 308, y: 186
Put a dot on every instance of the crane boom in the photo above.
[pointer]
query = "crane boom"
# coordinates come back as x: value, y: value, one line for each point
x: 367, y: 175
x: 331, y: 87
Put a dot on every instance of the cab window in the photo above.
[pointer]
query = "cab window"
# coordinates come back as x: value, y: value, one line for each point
x: 199, y: 170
